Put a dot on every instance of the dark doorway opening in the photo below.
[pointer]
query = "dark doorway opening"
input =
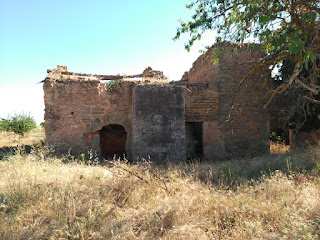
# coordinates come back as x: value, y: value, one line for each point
x: 113, y: 141
x: 194, y: 140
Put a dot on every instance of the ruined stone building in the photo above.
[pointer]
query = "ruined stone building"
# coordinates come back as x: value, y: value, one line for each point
x: 147, y: 116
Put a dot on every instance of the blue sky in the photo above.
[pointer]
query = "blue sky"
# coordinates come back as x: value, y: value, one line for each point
x: 97, y: 36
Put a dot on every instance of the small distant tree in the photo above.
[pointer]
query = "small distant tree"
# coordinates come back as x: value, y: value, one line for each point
x: 19, y: 124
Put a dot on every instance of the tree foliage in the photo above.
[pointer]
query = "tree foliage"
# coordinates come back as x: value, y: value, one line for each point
x: 19, y: 124
x: 288, y: 31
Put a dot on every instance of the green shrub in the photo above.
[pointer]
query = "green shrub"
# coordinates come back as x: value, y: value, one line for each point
x: 275, y: 137
x: 111, y: 85
x: 19, y: 124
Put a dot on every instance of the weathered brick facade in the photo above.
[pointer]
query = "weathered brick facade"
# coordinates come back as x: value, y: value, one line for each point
x: 212, y: 102
x: 179, y: 120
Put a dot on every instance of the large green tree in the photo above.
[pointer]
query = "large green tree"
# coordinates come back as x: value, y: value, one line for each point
x: 289, y: 33
x: 288, y: 30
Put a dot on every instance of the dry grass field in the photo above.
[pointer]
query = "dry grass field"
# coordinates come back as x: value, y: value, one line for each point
x: 278, y: 148
x: 11, y: 139
x: 270, y: 197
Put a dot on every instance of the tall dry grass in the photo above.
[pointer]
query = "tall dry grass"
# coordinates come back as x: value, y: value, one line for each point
x: 278, y: 148
x: 52, y: 200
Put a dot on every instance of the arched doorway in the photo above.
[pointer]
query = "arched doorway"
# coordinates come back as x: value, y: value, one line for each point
x: 112, y: 141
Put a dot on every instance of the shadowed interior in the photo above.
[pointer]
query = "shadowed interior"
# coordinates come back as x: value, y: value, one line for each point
x: 113, y: 141
x: 194, y: 140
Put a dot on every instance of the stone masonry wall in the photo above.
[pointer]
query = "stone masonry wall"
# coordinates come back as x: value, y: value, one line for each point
x: 159, y: 123
x: 77, y: 109
x: 248, y: 133
x: 154, y: 116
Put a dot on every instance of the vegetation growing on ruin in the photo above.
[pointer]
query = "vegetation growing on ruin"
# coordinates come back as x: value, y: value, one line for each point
x: 111, y: 85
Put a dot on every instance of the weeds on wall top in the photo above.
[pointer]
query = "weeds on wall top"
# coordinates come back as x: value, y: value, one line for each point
x: 111, y: 85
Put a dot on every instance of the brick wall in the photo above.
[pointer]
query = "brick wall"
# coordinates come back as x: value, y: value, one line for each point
x: 248, y: 133
x: 202, y: 104
x: 77, y: 109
